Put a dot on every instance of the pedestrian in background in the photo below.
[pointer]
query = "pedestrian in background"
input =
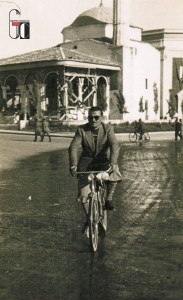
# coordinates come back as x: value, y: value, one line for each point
x: 38, y: 129
x: 138, y: 128
x: 46, y: 129
x: 178, y: 129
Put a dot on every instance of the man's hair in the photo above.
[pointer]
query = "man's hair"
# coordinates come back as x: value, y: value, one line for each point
x: 95, y: 108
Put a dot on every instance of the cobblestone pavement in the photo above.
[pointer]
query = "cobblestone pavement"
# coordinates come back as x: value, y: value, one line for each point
x: 43, y: 254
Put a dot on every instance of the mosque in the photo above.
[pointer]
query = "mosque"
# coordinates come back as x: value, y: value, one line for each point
x: 103, y: 60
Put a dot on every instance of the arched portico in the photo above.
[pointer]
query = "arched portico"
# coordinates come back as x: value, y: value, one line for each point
x: 11, y: 94
x: 57, y: 82
x: 103, y: 91
x: 51, y: 92
x: 80, y: 94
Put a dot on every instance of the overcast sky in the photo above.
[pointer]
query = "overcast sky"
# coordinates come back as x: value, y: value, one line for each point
x: 48, y: 17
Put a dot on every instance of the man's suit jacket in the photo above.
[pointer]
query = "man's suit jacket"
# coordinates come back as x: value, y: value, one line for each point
x: 38, y: 126
x: 107, y: 148
x: 46, y: 128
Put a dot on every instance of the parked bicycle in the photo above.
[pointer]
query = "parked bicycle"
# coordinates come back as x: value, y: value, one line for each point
x: 136, y: 136
x: 97, y: 214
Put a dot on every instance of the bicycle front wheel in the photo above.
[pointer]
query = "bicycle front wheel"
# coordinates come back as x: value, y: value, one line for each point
x: 104, y: 220
x: 93, y: 223
x: 132, y: 137
x: 102, y: 193
x: 145, y: 137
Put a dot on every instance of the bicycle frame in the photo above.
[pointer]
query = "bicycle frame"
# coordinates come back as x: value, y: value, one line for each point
x: 97, y: 214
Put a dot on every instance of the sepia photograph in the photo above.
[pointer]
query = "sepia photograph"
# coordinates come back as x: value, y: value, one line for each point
x: 91, y: 151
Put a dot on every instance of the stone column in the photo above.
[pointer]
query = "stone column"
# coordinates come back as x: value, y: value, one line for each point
x: 94, y: 80
x: 24, y: 106
x: 24, y: 101
x: 4, y: 89
x: 66, y: 95
x: 39, y: 94
x: 43, y: 96
x: 80, y: 89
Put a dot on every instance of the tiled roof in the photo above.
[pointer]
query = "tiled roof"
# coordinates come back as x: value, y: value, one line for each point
x: 53, y: 54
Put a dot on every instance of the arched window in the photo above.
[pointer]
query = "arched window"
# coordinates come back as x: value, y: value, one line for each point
x: 101, y: 93
x: 13, y: 94
x: 87, y: 89
x: 51, y: 92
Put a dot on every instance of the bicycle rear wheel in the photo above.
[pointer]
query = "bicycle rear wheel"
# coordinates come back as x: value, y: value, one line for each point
x: 145, y: 137
x: 93, y: 222
x: 132, y: 137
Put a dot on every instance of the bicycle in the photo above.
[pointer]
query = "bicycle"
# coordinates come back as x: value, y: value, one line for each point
x: 97, y: 214
x: 135, y: 136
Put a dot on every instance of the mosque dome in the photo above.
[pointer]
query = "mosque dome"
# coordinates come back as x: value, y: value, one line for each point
x: 96, y: 15
x: 95, y: 23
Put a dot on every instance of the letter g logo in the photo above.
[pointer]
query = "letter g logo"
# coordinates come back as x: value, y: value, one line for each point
x: 18, y: 28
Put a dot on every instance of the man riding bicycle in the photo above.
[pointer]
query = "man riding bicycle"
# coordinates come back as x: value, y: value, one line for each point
x: 100, y: 150
x: 138, y: 128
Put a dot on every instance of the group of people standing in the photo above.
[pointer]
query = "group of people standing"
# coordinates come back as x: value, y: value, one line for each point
x: 42, y: 129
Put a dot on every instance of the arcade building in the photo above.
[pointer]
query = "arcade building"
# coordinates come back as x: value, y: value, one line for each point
x: 103, y: 60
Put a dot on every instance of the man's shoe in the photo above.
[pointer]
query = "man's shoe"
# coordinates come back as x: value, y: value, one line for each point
x: 109, y: 205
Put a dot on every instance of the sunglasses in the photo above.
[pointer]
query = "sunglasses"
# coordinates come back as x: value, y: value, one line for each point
x: 96, y: 118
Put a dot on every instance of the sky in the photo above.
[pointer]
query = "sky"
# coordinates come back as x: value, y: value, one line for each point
x: 47, y: 18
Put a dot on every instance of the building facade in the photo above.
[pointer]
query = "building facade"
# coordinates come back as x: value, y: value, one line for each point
x: 54, y: 82
x: 109, y: 35
x: 170, y: 45
x: 102, y: 61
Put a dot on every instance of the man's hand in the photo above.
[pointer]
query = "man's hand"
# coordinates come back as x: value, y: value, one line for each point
x: 73, y: 170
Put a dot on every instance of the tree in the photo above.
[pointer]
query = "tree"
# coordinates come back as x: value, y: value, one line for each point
x: 156, y: 106
x: 171, y: 104
x: 182, y: 106
x: 141, y: 105
x: 121, y: 103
